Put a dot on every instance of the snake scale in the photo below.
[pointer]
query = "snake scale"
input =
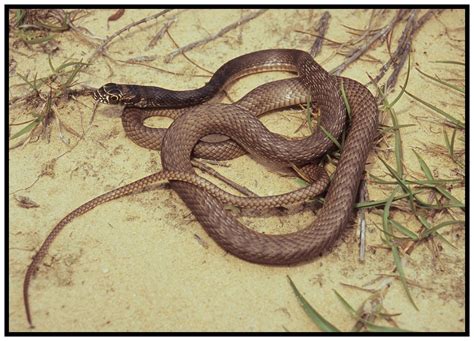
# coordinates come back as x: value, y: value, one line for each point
x: 195, y: 120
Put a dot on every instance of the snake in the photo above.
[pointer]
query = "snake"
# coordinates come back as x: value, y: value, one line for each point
x: 194, y: 119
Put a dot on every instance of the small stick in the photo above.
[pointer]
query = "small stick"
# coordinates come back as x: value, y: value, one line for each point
x: 402, y: 50
x: 161, y: 33
x: 355, y: 54
x: 321, y: 29
x: 414, y: 26
x: 185, y: 56
x: 194, y: 63
x: 107, y: 41
x: 217, y: 175
x: 401, y: 53
x: 223, y: 31
x: 426, y: 17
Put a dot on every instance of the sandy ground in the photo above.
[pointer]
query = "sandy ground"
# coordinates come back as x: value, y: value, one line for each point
x: 142, y: 263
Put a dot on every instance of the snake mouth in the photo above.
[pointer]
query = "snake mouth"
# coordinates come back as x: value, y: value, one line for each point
x: 108, y: 94
x: 99, y: 95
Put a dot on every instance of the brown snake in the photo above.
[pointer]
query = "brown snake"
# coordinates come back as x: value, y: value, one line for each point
x: 238, y: 121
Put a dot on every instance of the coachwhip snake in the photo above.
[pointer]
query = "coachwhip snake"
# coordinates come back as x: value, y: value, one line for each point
x: 247, y: 133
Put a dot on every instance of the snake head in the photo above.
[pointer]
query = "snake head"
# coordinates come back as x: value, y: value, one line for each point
x: 112, y: 93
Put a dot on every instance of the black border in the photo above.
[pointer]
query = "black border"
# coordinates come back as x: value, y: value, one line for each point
x: 8, y: 7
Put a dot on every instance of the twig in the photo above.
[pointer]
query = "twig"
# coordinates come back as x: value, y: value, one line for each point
x: 194, y: 63
x: 223, y: 31
x: 399, y: 57
x: 107, y: 41
x: 185, y: 56
x: 321, y: 29
x: 426, y: 17
x: 161, y: 33
x: 404, y: 45
x: 356, y: 53
x: 333, y: 42
x: 136, y: 61
x: 215, y: 174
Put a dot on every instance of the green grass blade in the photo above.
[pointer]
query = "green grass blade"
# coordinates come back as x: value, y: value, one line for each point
x: 346, y: 101
x: 51, y: 66
x: 448, y: 62
x: 424, y: 167
x: 402, y: 229
x: 437, y: 79
x: 451, y: 197
x: 20, y: 14
x: 386, y: 213
x: 448, y: 143
x: 424, y: 222
x: 32, y: 85
x: 451, y: 145
x: 388, y: 234
x: 404, y: 85
x: 428, y: 183
x: 395, y: 252
x: 429, y: 175
x: 317, y: 319
x: 444, y: 240
x: 331, y: 137
x: 400, y: 181
x: 450, y: 118
x: 433, y: 229
x: 26, y: 129
x: 398, y: 145
x: 39, y: 40
x: 401, y: 272
x: 345, y: 303
x: 377, y: 203
x: 73, y: 74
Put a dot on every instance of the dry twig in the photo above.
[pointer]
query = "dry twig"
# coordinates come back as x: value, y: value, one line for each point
x: 321, y: 29
x: 223, y: 31
x: 229, y: 182
x: 359, y: 51
x: 107, y: 41
x: 161, y: 33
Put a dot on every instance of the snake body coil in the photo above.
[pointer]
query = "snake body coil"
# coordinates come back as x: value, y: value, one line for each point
x: 239, y: 123
x: 244, y: 128
x: 247, y: 133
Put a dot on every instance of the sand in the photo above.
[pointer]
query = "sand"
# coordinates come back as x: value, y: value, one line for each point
x: 142, y: 263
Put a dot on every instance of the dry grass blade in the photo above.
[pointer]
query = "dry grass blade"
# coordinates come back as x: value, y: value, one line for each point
x: 58, y: 85
x: 363, y: 321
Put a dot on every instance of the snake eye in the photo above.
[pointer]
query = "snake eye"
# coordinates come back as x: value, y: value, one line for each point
x: 113, y: 98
